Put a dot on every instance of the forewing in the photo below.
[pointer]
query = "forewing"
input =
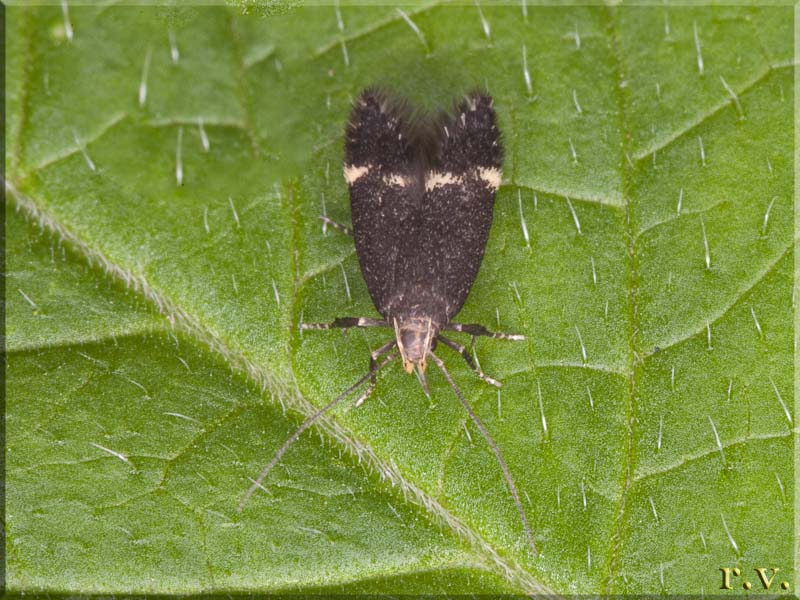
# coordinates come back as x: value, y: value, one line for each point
x: 460, y: 187
x: 385, y: 188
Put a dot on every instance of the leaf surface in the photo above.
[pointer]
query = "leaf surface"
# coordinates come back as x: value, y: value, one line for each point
x: 166, y: 170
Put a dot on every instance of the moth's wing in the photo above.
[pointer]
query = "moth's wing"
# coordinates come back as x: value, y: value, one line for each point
x: 460, y: 187
x: 385, y: 187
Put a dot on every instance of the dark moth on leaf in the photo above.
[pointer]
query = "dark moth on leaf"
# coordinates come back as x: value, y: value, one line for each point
x: 421, y: 194
x: 422, y: 191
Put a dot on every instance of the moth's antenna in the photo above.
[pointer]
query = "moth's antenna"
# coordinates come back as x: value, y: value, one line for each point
x: 493, y: 445
x: 423, y: 382
x: 306, y: 424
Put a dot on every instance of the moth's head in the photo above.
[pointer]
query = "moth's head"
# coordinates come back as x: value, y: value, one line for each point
x: 416, y: 337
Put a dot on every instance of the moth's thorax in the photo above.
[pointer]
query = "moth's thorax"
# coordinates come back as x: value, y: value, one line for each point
x: 415, y: 338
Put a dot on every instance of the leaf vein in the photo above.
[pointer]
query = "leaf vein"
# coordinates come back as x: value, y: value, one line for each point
x: 616, y: 541
x: 710, y: 451
x: 199, y: 331
x: 377, y: 26
x: 676, y: 135
x: 598, y: 199
x: 76, y: 148
x: 676, y: 216
x: 740, y: 295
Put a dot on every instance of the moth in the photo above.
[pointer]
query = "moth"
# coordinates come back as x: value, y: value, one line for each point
x: 422, y: 191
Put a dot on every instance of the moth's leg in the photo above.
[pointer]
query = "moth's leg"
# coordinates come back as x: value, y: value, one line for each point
x: 475, y: 330
x: 346, y: 323
x: 468, y: 357
x: 343, y: 228
x: 373, y: 361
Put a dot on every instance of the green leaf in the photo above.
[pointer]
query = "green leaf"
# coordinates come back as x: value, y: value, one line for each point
x: 163, y: 246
